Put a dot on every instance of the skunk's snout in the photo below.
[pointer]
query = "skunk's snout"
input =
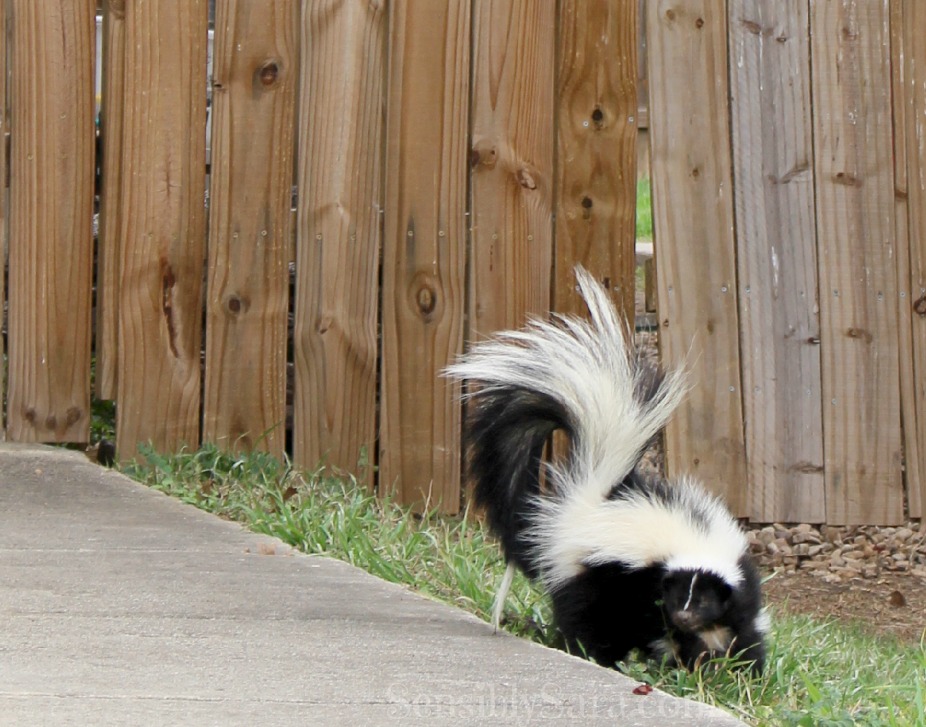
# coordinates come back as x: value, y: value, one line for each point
x: 685, y: 620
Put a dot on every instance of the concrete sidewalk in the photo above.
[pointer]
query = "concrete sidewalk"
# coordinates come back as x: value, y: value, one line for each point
x: 121, y: 606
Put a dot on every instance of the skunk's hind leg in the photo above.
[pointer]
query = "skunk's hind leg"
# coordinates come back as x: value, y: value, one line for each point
x: 502, y: 594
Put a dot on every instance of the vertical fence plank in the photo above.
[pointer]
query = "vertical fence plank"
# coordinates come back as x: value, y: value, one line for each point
x: 111, y: 120
x: 4, y: 217
x: 339, y: 232
x: 162, y: 225
x: 424, y: 249
x: 908, y: 26
x: 51, y: 205
x: 597, y: 149
x: 253, y: 100
x: 512, y: 157
x: 776, y: 257
x: 855, y: 229
x: 693, y: 220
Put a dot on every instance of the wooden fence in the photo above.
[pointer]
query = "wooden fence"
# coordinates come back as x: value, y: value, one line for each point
x: 452, y: 161
x: 445, y: 159
x: 788, y: 168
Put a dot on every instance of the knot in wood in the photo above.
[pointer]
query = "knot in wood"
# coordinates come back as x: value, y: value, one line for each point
x: 236, y: 304
x: 483, y: 155
x: 427, y: 300
x: 919, y: 306
x: 72, y: 416
x: 525, y: 179
x: 268, y: 74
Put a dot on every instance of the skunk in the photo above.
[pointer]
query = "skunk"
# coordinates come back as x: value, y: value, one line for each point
x: 630, y: 560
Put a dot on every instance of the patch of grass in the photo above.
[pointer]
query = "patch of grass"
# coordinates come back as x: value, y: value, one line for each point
x: 644, y: 210
x: 818, y: 674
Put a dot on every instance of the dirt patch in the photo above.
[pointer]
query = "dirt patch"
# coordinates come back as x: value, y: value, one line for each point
x: 892, y: 603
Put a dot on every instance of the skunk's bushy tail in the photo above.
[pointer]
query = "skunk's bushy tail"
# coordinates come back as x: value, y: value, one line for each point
x: 571, y: 374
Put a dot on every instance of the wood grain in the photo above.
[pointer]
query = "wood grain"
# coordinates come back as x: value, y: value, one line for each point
x: 694, y: 231
x: 51, y: 207
x: 339, y: 234
x: 854, y: 175
x: 255, y: 75
x: 162, y: 226
x: 424, y: 250
x: 908, y: 45
x: 776, y: 257
x: 108, y: 265
x: 596, y: 136
x: 4, y: 213
x: 512, y: 158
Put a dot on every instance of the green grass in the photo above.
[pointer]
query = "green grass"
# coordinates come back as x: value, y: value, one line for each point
x: 818, y: 674
x: 644, y: 210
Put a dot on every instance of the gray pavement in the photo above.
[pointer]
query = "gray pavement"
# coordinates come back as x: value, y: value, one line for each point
x: 121, y: 606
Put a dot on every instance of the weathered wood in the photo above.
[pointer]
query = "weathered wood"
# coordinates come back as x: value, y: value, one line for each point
x: 51, y: 206
x: 776, y: 257
x: 339, y: 233
x: 854, y: 177
x: 693, y: 221
x: 4, y: 174
x: 424, y: 250
x: 512, y: 157
x: 908, y: 46
x: 108, y: 268
x: 162, y: 225
x: 596, y: 139
x: 255, y: 72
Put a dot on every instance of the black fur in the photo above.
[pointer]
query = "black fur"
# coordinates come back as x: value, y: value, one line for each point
x: 546, y: 379
x: 507, y: 432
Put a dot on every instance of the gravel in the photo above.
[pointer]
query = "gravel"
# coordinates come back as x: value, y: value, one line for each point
x: 839, y: 554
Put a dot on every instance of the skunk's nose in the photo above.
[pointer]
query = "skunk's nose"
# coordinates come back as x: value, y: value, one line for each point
x: 684, y: 619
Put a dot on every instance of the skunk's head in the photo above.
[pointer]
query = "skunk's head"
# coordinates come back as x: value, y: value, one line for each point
x: 695, y: 600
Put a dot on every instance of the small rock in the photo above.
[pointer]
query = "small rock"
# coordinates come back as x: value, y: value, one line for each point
x: 806, y: 537
x: 766, y: 535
